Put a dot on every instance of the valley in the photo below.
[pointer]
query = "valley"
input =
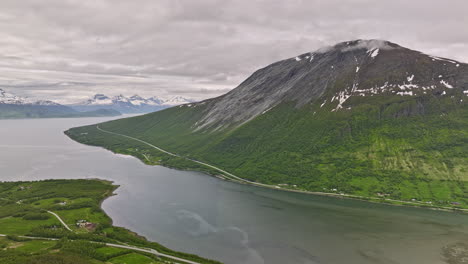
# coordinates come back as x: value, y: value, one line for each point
x: 235, y: 132
x: 233, y: 223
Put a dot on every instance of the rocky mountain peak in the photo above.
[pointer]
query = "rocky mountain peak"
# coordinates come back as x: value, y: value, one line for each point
x: 331, y: 76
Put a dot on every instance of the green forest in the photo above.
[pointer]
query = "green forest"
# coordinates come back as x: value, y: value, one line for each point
x: 373, y: 150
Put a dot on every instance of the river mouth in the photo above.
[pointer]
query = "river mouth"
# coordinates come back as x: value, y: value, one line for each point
x: 192, y: 212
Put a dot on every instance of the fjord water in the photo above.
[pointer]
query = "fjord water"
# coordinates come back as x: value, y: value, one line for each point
x: 192, y: 212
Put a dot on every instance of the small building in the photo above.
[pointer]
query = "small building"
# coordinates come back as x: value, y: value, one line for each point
x: 90, y: 226
x: 382, y: 194
x: 85, y: 224
x: 81, y: 223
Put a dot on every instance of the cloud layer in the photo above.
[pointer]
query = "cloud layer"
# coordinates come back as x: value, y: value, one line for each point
x: 68, y: 50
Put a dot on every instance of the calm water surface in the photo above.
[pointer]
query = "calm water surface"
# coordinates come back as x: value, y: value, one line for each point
x: 195, y: 213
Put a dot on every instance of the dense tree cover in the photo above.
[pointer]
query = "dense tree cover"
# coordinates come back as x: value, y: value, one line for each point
x: 396, y: 147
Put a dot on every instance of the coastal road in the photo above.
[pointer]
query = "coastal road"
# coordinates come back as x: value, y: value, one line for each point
x: 151, y: 251
x: 144, y: 250
x: 196, y: 161
x: 239, y: 179
x: 61, y: 221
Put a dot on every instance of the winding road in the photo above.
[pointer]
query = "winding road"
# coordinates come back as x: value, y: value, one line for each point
x: 61, y: 221
x: 144, y: 250
x: 239, y: 179
x: 196, y: 161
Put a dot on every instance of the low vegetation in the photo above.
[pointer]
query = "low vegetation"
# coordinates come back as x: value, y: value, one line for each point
x: 24, y: 215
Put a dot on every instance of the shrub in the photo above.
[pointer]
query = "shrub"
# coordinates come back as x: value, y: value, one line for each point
x: 36, y: 216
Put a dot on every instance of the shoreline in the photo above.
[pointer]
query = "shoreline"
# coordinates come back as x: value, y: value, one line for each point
x: 373, y: 200
x: 100, y: 191
x: 224, y: 175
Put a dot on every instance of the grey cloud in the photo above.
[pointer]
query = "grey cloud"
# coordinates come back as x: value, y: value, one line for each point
x: 369, y: 45
x: 201, y: 48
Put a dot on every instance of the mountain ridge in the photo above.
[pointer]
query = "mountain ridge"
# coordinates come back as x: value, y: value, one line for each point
x: 129, y: 104
x: 13, y: 106
x: 9, y: 98
x: 357, y: 119
x: 289, y: 78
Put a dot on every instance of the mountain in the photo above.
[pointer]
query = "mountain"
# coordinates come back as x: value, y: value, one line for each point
x: 177, y: 100
x: 12, y: 106
x: 365, y: 117
x: 11, y: 99
x: 133, y: 104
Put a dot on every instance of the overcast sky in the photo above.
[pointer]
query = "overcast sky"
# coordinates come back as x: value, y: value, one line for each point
x: 67, y: 50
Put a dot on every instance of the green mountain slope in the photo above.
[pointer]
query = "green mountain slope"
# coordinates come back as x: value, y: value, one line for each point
x: 395, y: 126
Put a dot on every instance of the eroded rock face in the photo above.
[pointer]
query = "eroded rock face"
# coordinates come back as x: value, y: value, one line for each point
x: 332, y: 76
x: 456, y: 253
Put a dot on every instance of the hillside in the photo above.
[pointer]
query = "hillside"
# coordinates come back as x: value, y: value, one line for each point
x: 365, y: 117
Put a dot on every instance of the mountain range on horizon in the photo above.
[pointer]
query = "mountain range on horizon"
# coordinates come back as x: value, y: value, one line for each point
x: 14, y: 106
x: 99, y: 102
x: 9, y: 98
x: 129, y: 104
x: 363, y: 117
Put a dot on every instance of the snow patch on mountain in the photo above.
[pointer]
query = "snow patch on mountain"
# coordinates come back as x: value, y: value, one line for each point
x: 446, y: 84
x: 375, y: 53
x: 410, y: 93
x: 342, y: 97
x: 434, y: 58
x: 177, y: 100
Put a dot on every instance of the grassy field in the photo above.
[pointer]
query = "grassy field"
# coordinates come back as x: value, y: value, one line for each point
x: 24, y: 210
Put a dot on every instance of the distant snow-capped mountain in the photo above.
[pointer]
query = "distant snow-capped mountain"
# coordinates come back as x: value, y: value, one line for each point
x: 132, y: 104
x: 177, y: 100
x: 13, y: 106
x: 11, y: 99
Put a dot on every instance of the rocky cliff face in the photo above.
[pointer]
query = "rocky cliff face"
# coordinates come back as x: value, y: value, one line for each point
x: 332, y: 77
